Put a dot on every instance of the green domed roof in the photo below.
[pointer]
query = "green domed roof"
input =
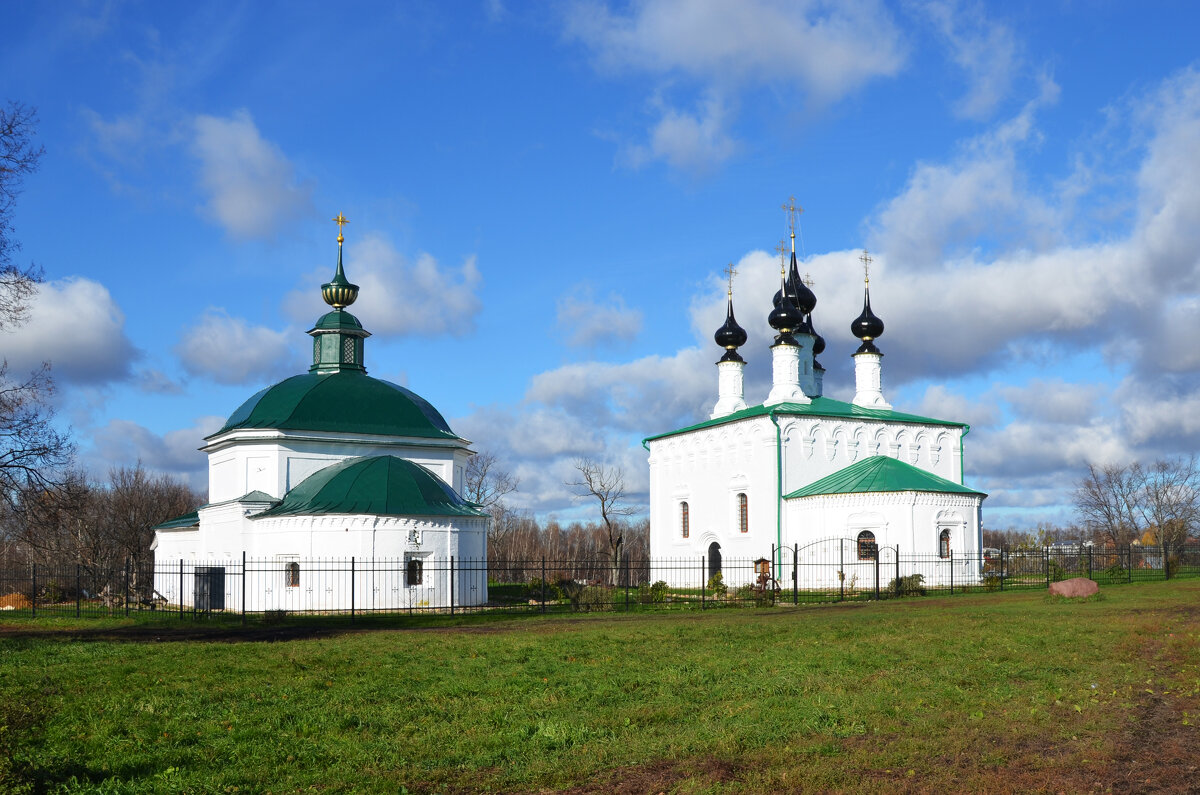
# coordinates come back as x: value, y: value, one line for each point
x: 381, y: 485
x: 343, y: 402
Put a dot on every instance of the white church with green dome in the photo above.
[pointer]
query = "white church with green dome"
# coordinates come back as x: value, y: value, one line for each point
x: 331, y: 464
x: 829, y: 486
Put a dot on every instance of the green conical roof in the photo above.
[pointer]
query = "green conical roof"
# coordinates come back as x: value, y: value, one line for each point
x: 374, y: 485
x: 877, y: 474
x: 342, y: 402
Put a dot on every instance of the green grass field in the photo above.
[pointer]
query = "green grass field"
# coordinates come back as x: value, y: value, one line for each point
x: 997, y: 692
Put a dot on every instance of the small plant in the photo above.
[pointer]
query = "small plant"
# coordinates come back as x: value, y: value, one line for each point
x: 1056, y: 570
x: 652, y: 594
x: 274, y: 616
x: 1116, y: 572
x: 592, y: 598
x: 991, y: 582
x: 716, y: 584
x: 553, y: 591
x: 744, y: 593
x: 912, y: 585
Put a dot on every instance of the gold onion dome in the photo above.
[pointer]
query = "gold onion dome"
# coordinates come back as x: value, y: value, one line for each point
x: 339, y: 293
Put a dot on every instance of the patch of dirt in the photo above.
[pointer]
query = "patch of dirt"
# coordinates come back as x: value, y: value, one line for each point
x: 14, y: 601
x: 659, y: 777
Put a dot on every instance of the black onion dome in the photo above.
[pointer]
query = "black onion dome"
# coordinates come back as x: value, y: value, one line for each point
x: 804, y: 298
x: 730, y: 336
x: 818, y: 340
x: 867, y: 327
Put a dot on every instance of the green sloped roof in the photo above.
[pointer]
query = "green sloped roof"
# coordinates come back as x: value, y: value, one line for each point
x: 344, y: 402
x: 383, y: 485
x: 877, y: 474
x: 819, y: 407
x: 187, y: 520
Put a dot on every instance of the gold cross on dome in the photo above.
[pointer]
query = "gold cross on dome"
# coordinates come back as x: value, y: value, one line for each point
x: 781, y: 249
x: 866, y: 260
x: 792, y: 210
x: 341, y: 221
x: 808, y: 282
x: 730, y: 272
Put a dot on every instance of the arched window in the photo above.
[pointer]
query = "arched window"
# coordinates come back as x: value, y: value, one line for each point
x: 867, y: 548
x: 414, y: 571
x: 743, y: 514
x: 684, y: 527
x: 291, y: 575
x: 944, y: 543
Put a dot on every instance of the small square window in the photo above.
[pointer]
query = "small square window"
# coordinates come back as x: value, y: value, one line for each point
x: 415, y: 571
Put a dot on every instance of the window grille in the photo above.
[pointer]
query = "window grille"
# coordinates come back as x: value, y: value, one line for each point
x: 944, y: 544
x: 743, y: 514
x: 292, y: 575
x: 867, y: 549
x: 415, y: 571
x: 684, y: 525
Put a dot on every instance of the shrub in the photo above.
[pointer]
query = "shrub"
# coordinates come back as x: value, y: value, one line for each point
x: 1116, y: 572
x: 912, y: 585
x: 592, y: 598
x: 554, y: 591
x: 1057, y: 572
x: 991, y: 582
x: 716, y: 584
x: 744, y: 593
x: 652, y: 594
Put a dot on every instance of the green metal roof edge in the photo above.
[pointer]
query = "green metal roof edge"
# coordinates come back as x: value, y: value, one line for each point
x: 880, y: 474
x: 820, y: 407
x: 350, y: 488
x: 190, y: 519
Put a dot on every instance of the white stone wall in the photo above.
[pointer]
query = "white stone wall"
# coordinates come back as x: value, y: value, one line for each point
x: 276, y: 461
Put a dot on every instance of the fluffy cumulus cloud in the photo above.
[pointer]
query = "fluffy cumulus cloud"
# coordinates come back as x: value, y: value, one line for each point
x: 76, y: 325
x: 251, y: 188
x: 399, y: 295
x: 825, y: 50
x: 125, y: 443
x: 229, y: 350
x: 587, y: 321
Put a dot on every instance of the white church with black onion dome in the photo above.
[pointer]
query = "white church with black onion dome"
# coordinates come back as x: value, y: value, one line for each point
x: 817, y: 480
x: 329, y: 465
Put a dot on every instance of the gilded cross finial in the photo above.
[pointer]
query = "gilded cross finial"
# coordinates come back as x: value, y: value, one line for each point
x: 730, y: 272
x: 341, y: 221
x: 866, y: 260
x: 781, y: 250
x: 792, y: 211
x: 808, y: 282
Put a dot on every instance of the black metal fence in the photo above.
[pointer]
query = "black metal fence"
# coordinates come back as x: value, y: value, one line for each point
x: 825, y: 571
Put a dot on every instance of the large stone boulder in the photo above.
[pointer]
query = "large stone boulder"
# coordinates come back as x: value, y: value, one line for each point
x: 1076, y: 586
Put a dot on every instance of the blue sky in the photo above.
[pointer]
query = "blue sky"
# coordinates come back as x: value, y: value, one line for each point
x: 542, y: 198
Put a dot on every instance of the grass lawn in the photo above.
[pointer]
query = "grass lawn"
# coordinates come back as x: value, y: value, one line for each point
x: 995, y: 692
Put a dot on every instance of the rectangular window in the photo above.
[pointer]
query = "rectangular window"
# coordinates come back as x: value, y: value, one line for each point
x: 685, y: 527
x: 743, y: 514
x: 414, y: 571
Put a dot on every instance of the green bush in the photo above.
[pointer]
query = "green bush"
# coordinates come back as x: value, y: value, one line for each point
x: 592, y: 598
x: 652, y: 594
x: 716, y: 584
x: 1057, y: 572
x: 554, y: 591
x: 991, y: 582
x: 912, y: 585
x: 745, y: 592
x: 1116, y: 572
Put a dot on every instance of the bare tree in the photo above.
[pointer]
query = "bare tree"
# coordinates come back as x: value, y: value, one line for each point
x: 1107, y: 501
x: 1170, y: 498
x: 486, y: 484
x: 607, y: 486
x: 31, y: 448
x: 18, y: 157
x: 135, y: 501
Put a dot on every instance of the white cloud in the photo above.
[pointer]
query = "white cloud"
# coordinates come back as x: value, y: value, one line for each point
x: 587, y: 321
x: 693, y: 142
x: 398, y: 295
x: 231, y: 351
x: 76, y: 326
x: 826, y: 50
x: 158, y: 383
x: 1054, y: 401
x: 125, y: 443
x: 252, y: 189
x: 829, y: 48
x: 985, y: 50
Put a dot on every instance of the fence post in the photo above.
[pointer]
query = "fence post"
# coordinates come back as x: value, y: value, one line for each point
x: 243, y: 587
x: 898, y: 569
x: 1046, y: 559
x: 33, y: 592
x: 451, y: 585
x: 1129, y: 568
x: 1001, y: 568
x: 703, y: 582
x: 352, y: 586
x: 543, y: 583
x: 952, y: 572
x: 1089, y: 549
x: 127, y: 587
x: 841, y: 570
x: 627, y: 583
x: 1166, y: 563
x: 795, y: 574
x: 181, y: 588
x: 78, y: 592
x: 877, y: 574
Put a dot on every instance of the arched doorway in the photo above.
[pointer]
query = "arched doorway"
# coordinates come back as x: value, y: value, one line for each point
x: 714, y: 559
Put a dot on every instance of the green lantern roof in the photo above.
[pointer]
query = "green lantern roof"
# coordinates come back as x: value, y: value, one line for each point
x: 877, y: 474
x: 338, y: 320
x: 382, y: 485
x: 340, y: 402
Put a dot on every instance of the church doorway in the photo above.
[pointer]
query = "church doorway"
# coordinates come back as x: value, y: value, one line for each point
x: 714, y: 559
